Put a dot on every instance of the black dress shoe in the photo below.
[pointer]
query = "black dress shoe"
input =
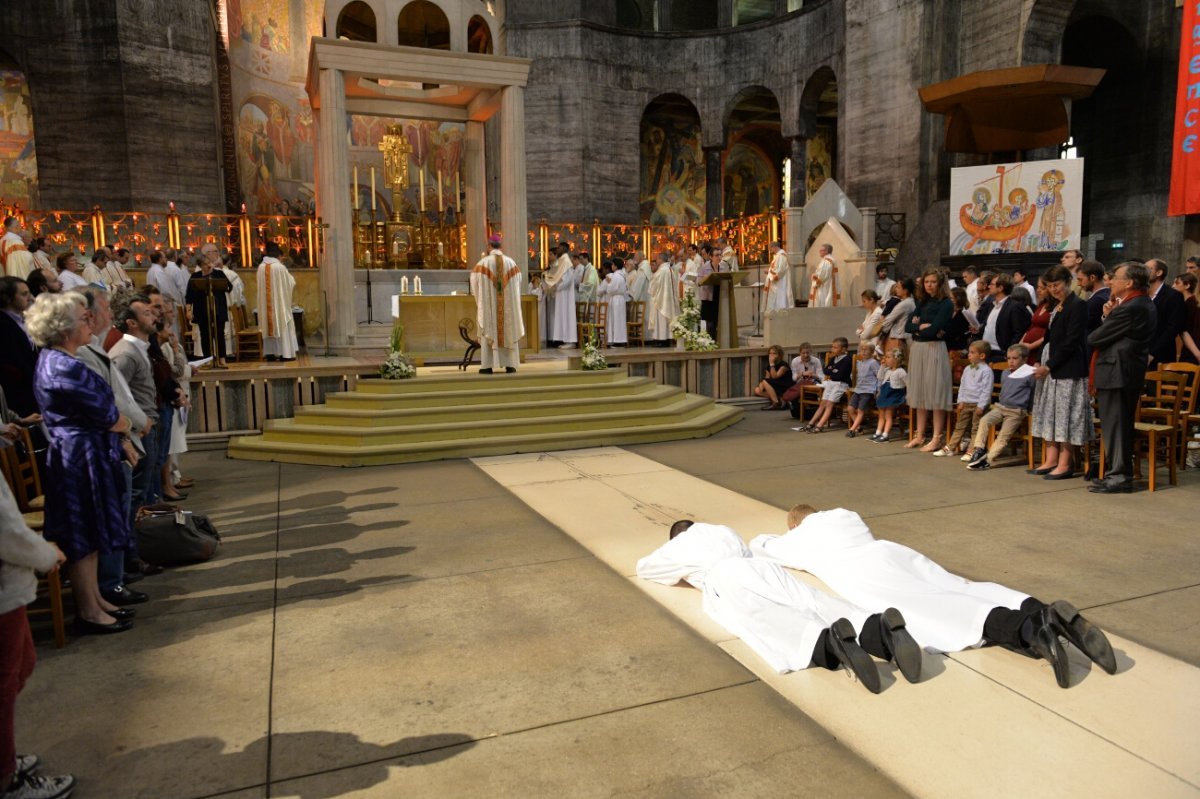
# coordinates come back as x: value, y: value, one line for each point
x: 1045, y: 644
x: 1087, y: 637
x: 1063, y: 476
x: 85, y: 627
x: 121, y: 614
x: 906, y: 652
x: 844, y: 644
x: 1103, y: 487
x: 509, y: 370
x: 1038, y: 471
x: 485, y: 371
x: 131, y: 577
x: 123, y: 596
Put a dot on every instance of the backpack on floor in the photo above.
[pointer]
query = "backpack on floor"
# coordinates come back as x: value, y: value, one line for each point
x: 176, y: 538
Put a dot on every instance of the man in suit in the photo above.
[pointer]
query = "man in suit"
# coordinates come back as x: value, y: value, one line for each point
x: 1008, y: 320
x: 18, y: 356
x: 1090, y: 275
x: 1122, y: 344
x: 1172, y: 315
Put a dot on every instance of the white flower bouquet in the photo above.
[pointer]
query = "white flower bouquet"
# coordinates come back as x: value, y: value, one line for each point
x: 397, y: 365
x: 593, y: 359
x: 686, y: 326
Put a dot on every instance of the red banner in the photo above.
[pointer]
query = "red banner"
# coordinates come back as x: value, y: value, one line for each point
x: 1185, y: 158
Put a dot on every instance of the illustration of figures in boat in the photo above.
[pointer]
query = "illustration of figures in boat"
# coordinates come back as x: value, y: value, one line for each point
x: 1000, y: 216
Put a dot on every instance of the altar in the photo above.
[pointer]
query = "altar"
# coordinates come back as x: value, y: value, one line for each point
x: 431, y: 324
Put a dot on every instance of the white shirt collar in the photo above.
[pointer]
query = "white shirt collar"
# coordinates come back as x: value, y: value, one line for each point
x: 143, y: 345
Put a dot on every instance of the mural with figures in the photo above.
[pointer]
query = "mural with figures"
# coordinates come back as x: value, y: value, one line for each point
x: 672, y: 188
x: 819, y: 159
x: 751, y: 180
x: 1020, y: 207
x: 435, y: 163
x: 18, y: 161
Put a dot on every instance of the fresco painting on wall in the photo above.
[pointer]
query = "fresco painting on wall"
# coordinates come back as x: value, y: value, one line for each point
x: 751, y: 180
x: 819, y: 159
x: 672, y: 188
x: 1032, y: 206
x: 18, y: 161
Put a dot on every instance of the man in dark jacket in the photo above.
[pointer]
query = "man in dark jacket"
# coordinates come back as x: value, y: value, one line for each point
x: 1172, y: 315
x: 1122, y: 344
x: 18, y: 356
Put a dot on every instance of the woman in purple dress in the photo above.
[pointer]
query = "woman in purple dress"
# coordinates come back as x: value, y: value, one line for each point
x: 83, y: 478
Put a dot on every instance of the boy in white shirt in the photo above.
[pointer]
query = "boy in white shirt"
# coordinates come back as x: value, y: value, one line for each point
x: 974, y: 395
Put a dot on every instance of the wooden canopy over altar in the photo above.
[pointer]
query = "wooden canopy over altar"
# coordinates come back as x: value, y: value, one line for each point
x: 351, y: 77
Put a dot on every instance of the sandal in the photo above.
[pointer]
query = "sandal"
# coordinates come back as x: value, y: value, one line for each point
x: 934, y: 445
x: 916, y: 442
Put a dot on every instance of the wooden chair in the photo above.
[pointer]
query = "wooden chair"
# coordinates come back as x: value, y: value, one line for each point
x: 247, y: 340
x: 1187, y: 409
x: 20, y: 472
x: 1158, y: 422
x: 186, y: 338
x: 635, y: 322
x: 597, y: 325
x: 585, y: 317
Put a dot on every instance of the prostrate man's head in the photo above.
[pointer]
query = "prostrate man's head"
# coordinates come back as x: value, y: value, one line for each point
x: 679, y: 527
x: 799, y: 513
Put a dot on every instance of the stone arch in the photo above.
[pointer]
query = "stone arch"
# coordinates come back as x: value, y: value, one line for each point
x: 424, y: 23
x: 335, y: 8
x: 671, y: 183
x: 1041, y: 42
x: 820, y: 117
x: 18, y: 158
x: 357, y: 22
x: 752, y: 163
x: 480, y: 38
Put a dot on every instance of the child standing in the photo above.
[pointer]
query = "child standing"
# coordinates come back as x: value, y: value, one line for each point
x: 893, y: 390
x: 974, y: 394
x: 865, y: 386
x: 834, y: 386
x: 1016, y: 398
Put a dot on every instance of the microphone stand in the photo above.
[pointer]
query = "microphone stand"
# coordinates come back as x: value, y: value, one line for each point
x: 371, y: 320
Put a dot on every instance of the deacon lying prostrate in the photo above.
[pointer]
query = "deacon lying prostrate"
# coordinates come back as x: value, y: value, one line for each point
x: 787, y: 623
x: 945, y: 612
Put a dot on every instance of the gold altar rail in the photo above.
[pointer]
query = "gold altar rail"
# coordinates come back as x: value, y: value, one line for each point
x: 143, y: 232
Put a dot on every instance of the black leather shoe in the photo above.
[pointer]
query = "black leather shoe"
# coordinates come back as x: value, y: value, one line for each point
x: 1102, y: 487
x: 906, y: 652
x: 124, y: 596
x: 85, y: 627
x: 844, y: 644
x: 509, y: 370
x: 121, y: 614
x: 1063, y: 476
x: 1045, y: 644
x: 1087, y: 637
x: 485, y: 371
x: 1038, y: 471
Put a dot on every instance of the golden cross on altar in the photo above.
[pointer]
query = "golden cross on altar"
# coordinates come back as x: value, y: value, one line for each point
x: 395, y: 149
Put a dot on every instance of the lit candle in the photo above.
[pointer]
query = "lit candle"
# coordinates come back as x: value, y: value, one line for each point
x: 404, y: 284
x: 416, y: 285
x: 422, y: 189
x: 442, y: 252
x: 372, y: 189
x: 440, y: 205
x: 356, y: 187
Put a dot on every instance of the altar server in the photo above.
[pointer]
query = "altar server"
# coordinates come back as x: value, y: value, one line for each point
x: 779, y: 281
x: 589, y: 279
x: 824, y: 293
x: 275, y: 287
x: 612, y: 290
x: 11, y: 241
x: 560, y: 284
x: 638, y: 279
x: 664, y: 302
x: 944, y: 611
x: 787, y: 623
x: 496, y: 284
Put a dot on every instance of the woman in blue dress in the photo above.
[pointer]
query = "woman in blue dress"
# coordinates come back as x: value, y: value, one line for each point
x: 83, y: 478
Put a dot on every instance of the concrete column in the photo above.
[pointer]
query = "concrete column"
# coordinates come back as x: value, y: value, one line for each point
x: 474, y: 173
x: 725, y: 13
x: 714, y: 204
x: 513, y: 209
x: 868, y: 230
x: 333, y: 209
x: 799, y: 156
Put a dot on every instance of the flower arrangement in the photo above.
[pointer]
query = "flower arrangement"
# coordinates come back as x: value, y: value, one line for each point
x: 593, y: 359
x: 686, y: 326
x: 397, y: 365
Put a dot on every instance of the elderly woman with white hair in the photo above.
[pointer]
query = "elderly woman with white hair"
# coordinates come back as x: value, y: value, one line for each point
x: 83, y: 479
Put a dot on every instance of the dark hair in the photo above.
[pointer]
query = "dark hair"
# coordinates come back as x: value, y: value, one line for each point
x: 1137, y: 273
x: 272, y: 250
x: 679, y: 527
x: 1078, y: 254
x: 1157, y: 267
x: 1005, y: 282
x: 8, y: 289
x: 959, y: 295
x: 1194, y: 260
x: 150, y: 290
x: 908, y: 285
x: 37, y: 244
x: 1021, y: 294
x: 121, y: 251
x: 940, y: 293
x: 870, y: 294
x: 1189, y: 280
x: 121, y: 303
x: 158, y: 257
x: 1093, y: 269
x: 841, y: 340
x: 8, y: 220
x: 62, y: 259
x: 1057, y: 274
x: 37, y: 282
x: 970, y: 270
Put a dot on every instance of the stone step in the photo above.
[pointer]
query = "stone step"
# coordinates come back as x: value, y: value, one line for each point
x: 709, y: 421
x: 651, y: 396
x: 475, y: 381
x: 483, y: 394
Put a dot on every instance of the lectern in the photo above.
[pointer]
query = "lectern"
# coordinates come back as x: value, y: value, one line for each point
x: 727, y: 328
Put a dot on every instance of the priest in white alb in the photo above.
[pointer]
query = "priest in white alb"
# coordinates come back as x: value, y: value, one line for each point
x: 20, y: 260
x: 664, y: 302
x: 637, y: 278
x: 824, y: 291
x: 559, y: 283
x: 779, y: 281
x: 792, y: 626
x: 945, y: 612
x: 612, y: 291
x: 589, y: 279
x: 496, y: 285
x: 275, y: 287
x: 10, y: 241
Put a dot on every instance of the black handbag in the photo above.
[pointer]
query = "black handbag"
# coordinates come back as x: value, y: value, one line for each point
x: 176, y: 538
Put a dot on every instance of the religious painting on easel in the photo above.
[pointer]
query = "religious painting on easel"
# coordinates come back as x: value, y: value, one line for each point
x: 1032, y: 206
x: 18, y: 162
x: 818, y: 159
x: 751, y: 181
x: 672, y: 189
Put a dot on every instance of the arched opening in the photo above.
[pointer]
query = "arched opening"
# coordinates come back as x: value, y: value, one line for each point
x: 1112, y: 151
x: 672, y: 188
x: 18, y: 160
x: 818, y: 122
x: 753, y: 162
x: 479, y: 36
x: 629, y: 15
x: 356, y: 22
x: 695, y: 15
x: 747, y: 11
x: 423, y: 24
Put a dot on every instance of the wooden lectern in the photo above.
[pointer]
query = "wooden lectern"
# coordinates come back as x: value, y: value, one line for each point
x: 727, y: 327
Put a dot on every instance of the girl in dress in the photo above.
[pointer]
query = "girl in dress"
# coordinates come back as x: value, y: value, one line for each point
x: 893, y: 387
x: 776, y: 380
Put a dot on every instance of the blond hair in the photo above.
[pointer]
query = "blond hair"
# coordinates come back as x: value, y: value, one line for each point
x: 798, y: 513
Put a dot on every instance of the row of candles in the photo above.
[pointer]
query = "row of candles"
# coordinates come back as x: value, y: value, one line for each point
x: 441, y: 206
x: 416, y: 284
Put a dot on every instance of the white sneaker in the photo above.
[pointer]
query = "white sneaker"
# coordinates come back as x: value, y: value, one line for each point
x: 966, y: 458
x: 943, y: 452
x: 31, y: 786
x: 26, y: 764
